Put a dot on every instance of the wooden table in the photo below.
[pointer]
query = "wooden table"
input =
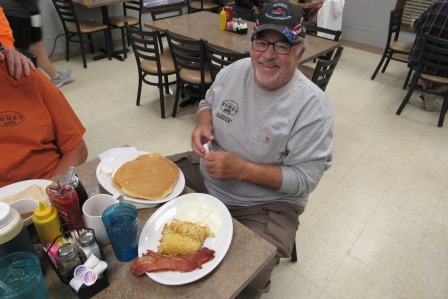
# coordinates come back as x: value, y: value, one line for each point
x: 163, y: 4
x: 205, y: 25
x: 103, y: 4
x: 247, y: 255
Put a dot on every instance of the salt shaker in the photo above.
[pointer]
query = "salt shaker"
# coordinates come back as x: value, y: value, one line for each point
x: 69, y: 259
x: 88, y: 244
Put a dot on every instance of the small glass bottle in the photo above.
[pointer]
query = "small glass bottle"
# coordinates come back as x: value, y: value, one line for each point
x: 88, y: 245
x: 69, y: 259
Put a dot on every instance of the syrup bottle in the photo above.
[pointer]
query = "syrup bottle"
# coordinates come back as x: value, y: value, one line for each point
x: 65, y: 199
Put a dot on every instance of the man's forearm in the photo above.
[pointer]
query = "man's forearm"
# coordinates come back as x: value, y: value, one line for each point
x: 269, y: 176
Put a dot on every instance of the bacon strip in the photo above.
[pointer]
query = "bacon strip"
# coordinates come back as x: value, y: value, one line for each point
x: 156, y: 262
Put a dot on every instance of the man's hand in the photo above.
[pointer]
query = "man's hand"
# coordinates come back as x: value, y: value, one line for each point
x: 224, y: 165
x: 16, y: 62
x: 203, y: 132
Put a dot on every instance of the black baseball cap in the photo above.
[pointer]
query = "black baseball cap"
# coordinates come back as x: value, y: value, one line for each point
x: 283, y: 17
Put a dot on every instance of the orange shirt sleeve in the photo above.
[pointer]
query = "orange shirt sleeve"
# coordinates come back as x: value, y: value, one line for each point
x: 6, y: 37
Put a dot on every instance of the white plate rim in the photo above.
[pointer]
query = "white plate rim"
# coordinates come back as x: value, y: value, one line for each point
x: 164, y: 215
x: 106, y: 183
x: 17, y: 187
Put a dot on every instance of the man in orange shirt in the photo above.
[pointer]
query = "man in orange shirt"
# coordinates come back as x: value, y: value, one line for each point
x: 17, y: 62
x: 40, y: 134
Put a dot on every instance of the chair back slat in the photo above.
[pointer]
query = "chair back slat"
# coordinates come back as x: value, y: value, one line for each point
x: 434, y: 56
x: 218, y: 58
x: 325, y: 68
x: 144, y: 44
x: 395, y: 18
x: 335, y: 33
x: 66, y: 12
x: 187, y: 53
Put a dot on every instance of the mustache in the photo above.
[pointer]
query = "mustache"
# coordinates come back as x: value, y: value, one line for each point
x: 269, y: 62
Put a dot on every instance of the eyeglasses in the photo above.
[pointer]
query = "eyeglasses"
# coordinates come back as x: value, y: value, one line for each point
x: 261, y: 45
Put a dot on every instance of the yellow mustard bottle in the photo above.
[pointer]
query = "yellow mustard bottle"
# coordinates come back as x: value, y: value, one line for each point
x: 47, y: 223
x: 222, y: 20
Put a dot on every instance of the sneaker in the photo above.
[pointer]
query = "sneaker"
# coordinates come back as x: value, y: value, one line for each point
x: 418, y: 102
x: 431, y: 104
x: 63, y: 78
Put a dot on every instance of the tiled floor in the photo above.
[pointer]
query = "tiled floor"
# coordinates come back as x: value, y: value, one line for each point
x: 376, y: 226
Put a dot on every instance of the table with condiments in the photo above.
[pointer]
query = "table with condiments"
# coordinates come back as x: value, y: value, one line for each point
x: 247, y: 255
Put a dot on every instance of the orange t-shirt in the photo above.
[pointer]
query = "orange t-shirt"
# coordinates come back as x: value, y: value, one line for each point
x: 37, y: 126
x: 6, y: 37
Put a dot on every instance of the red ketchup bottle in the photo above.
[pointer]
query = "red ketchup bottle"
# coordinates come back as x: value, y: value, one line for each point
x: 66, y: 202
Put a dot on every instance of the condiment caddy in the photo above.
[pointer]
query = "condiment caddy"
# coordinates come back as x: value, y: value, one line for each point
x: 79, y: 262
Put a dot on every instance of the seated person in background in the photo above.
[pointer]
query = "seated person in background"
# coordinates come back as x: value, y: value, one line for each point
x: 246, y: 9
x: 16, y: 62
x: 434, y: 22
x: 270, y: 131
x: 40, y: 134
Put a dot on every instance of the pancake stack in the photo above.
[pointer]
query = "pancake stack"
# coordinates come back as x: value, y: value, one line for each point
x: 150, y: 176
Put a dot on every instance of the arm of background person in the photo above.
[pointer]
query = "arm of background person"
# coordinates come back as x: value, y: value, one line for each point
x: 16, y: 62
x: 75, y: 157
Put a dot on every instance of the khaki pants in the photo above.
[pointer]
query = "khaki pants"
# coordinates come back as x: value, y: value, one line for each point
x: 277, y: 222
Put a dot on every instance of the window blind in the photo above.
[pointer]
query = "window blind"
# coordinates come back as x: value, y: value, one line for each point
x: 413, y: 9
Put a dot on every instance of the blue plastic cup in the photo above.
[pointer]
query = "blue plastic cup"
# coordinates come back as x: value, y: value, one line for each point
x: 121, y: 223
x: 21, y: 276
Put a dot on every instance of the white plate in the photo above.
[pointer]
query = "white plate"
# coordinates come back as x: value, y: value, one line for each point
x: 20, y: 186
x: 114, y: 161
x: 152, y: 232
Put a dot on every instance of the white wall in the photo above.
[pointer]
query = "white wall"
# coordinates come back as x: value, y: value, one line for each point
x: 364, y: 21
x: 367, y: 21
x: 52, y: 25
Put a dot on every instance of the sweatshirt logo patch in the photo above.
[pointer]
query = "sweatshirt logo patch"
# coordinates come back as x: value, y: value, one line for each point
x: 229, y: 107
x: 11, y: 118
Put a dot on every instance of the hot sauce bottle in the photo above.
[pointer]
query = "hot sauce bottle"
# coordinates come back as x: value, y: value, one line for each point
x: 65, y: 199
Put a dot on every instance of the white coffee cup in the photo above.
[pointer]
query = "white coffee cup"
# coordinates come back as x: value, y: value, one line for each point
x: 93, y: 210
x: 26, y: 207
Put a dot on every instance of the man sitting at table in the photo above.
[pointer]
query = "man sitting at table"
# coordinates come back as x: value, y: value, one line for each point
x: 434, y: 22
x: 270, y: 134
x: 41, y: 136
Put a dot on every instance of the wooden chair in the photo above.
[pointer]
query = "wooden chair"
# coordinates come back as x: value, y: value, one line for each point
x: 433, y: 55
x: 323, y: 71
x: 393, y: 46
x: 218, y: 58
x: 189, y: 62
x: 330, y: 34
x: 139, y: 7
x: 202, y: 5
x: 151, y: 62
x: 118, y: 23
x: 75, y: 30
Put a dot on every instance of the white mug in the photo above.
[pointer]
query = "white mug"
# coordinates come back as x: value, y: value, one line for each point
x: 26, y: 207
x: 93, y: 210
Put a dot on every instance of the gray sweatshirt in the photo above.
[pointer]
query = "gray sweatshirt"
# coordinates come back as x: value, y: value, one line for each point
x: 291, y: 127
